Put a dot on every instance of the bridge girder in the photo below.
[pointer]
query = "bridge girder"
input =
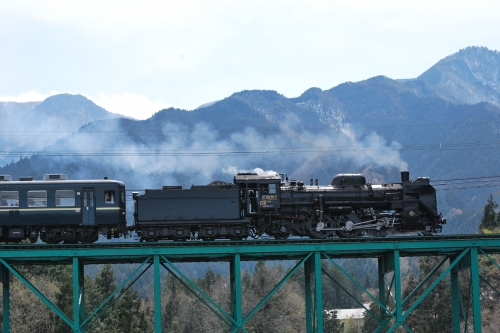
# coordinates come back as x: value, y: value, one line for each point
x: 459, y: 254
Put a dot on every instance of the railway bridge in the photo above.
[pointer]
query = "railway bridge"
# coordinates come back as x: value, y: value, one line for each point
x: 459, y: 253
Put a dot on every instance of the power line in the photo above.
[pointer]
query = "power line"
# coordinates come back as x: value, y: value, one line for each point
x: 256, y: 151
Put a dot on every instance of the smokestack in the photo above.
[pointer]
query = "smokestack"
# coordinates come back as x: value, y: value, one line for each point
x: 405, y: 176
x: 311, y: 182
x: 316, y: 181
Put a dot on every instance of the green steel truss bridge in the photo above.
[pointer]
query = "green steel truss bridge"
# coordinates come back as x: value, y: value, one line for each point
x: 460, y: 253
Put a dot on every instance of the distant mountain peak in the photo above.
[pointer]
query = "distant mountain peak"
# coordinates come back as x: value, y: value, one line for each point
x: 472, y: 75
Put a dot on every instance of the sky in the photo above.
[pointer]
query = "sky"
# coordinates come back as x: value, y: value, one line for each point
x: 138, y: 57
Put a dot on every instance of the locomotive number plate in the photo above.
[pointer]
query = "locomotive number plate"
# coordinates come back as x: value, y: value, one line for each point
x: 269, y: 197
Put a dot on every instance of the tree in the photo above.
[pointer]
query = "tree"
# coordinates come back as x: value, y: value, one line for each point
x: 436, y: 307
x: 370, y: 324
x: 331, y: 324
x: 130, y: 315
x: 350, y: 326
x: 127, y: 315
x: 490, y: 219
x: 64, y: 301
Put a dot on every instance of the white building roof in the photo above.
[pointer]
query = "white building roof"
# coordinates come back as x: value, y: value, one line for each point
x: 350, y: 313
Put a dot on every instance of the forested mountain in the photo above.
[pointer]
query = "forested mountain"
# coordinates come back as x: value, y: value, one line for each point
x: 470, y: 76
x: 443, y: 124
x: 34, y: 125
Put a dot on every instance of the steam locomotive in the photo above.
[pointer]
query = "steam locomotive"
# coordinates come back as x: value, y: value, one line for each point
x: 268, y: 204
x: 56, y: 209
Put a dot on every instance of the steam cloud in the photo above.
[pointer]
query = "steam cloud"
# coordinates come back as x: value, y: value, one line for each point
x: 199, y: 156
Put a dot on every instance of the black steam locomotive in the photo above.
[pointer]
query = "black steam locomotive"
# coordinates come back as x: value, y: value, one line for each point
x: 58, y: 210
x: 268, y: 204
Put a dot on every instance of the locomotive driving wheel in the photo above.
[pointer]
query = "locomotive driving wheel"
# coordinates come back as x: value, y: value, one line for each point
x: 348, y: 223
x: 316, y: 228
x: 382, y: 232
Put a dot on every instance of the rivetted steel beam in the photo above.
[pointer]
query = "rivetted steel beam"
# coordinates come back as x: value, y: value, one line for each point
x: 42, y: 297
x: 157, y: 293
x: 78, y: 295
x: 5, y: 278
x: 476, y: 292
x: 462, y: 252
x: 236, y: 298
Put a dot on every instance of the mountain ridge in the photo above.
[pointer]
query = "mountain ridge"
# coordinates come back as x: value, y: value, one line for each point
x: 378, y: 126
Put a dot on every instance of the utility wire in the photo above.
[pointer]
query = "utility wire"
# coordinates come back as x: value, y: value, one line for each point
x: 256, y: 151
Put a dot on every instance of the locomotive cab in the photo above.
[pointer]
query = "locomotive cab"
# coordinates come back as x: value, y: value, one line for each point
x: 258, y: 193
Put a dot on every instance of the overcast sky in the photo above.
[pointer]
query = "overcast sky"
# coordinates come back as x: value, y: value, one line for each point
x: 138, y: 57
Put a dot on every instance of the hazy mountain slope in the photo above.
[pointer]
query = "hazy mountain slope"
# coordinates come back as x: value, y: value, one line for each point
x: 29, y: 127
x: 15, y: 118
x: 471, y: 75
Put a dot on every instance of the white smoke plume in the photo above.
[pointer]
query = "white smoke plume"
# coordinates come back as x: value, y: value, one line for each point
x: 232, y: 170
x: 201, y: 155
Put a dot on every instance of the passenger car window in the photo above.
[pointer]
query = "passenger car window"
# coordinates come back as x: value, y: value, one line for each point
x: 37, y: 198
x: 65, y: 198
x: 109, y: 197
x: 9, y: 199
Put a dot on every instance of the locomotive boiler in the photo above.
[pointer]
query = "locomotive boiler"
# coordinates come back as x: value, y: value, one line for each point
x: 256, y: 205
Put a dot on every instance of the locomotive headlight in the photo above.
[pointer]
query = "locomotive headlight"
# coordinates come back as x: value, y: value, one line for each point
x: 411, y: 213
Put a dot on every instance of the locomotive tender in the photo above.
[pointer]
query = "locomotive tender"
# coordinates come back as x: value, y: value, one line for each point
x: 268, y: 204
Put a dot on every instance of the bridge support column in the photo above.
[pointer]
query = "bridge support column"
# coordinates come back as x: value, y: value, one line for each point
x: 78, y: 295
x: 397, y: 288
x: 314, y: 308
x: 476, y: 292
x: 157, y: 293
x: 236, y: 300
x: 385, y: 265
x: 5, y: 278
x: 455, y: 300
x: 469, y: 261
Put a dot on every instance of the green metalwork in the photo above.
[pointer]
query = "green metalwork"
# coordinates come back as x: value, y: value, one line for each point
x: 455, y: 300
x: 236, y: 300
x: 424, y: 281
x: 382, y: 270
x: 5, y: 278
x: 351, y: 295
x: 318, y: 289
x: 111, y: 299
x: 275, y: 289
x: 461, y: 252
x: 314, y: 305
x: 489, y: 284
x: 476, y: 292
x: 157, y: 292
x: 204, y: 298
x: 42, y: 297
x: 78, y: 295
x: 383, y: 307
x: 308, y: 271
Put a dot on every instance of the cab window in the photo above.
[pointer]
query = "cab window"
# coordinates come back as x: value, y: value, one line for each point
x: 109, y: 197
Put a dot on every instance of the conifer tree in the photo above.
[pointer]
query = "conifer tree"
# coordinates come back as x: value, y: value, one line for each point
x: 331, y: 323
x: 490, y: 219
x: 64, y: 301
